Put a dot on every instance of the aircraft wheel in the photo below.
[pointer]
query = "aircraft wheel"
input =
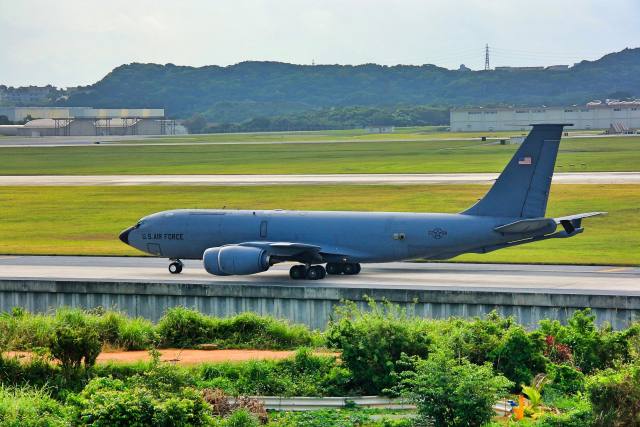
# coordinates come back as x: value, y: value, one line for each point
x: 315, y: 272
x: 297, y: 272
x: 358, y: 268
x: 334, y: 268
x: 175, y: 268
x: 323, y: 271
x: 349, y: 269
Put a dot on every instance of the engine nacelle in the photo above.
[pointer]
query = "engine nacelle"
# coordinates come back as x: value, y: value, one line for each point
x: 235, y: 260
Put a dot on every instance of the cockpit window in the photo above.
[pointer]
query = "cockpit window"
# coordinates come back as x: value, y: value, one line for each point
x: 138, y: 224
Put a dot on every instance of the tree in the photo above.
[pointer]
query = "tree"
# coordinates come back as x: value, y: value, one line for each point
x: 452, y: 392
x: 195, y: 124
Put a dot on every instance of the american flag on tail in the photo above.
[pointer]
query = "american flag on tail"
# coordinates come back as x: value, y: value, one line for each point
x: 524, y: 161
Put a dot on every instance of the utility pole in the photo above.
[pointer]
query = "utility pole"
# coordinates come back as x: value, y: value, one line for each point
x: 486, y: 58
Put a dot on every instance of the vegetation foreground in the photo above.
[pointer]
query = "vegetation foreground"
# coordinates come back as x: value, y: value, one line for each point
x: 87, y: 220
x: 452, y: 370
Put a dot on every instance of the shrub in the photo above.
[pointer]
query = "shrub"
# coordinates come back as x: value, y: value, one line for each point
x: 566, y: 379
x: 373, y: 340
x: 591, y: 349
x: 109, y: 402
x: 73, y: 346
x: 480, y: 340
x: 579, y: 418
x: 615, y: 397
x: 240, y: 418
x: 521, y: 358
x: 322, y: 418
x: 24, y: 331
x: 452, y: 392
x: 29, y: 407
x: 185, y: 328
x: 303, y: 374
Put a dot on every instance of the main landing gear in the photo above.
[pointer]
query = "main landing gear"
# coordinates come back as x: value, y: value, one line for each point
x: 348, y: 268
x: 176, y: 266
x: 317, y: 272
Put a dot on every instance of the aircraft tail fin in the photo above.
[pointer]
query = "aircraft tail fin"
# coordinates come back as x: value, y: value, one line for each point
x: 522, y: 189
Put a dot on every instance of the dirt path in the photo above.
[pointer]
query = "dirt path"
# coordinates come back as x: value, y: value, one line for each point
x: 182, y: 357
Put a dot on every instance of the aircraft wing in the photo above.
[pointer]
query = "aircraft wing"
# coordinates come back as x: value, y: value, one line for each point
x: 291, y: 249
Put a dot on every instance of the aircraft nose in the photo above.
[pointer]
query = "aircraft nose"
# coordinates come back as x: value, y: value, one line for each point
x: 124, y: 236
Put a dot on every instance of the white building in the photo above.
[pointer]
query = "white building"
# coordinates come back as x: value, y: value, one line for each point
x: 18, y: 113
x: 379, y: 129
x: 594, y: 115
x: 26, y: 93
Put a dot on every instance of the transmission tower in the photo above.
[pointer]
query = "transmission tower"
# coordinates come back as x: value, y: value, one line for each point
x: 486, y: 58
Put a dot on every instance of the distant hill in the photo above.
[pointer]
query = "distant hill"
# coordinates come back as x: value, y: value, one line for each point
x: 251, y: 89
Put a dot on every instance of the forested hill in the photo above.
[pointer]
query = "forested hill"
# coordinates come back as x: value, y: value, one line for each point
x: 250, y: 89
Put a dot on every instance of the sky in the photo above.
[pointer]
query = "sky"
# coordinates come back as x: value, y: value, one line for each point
x: 77, y: 42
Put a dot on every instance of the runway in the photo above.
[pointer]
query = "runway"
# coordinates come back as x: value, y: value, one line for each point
x: 554, y: 279
x: 327, y: 179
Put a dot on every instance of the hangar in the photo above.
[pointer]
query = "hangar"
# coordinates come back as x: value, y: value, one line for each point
x: 594, y: 115
x: 95, y: 126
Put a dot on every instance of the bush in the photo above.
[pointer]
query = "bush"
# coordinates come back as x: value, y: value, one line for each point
x: 24, y: 331
x: 580, y: 418
x: 592, y: 349
x: 109, y: 402
x: 452, y: 392
x: 615, y: 397
x: 304, y: 374
x: 240, y: 418
x: 373, y: 340
x: 566, y: 379
x: 29, y: 407
x: 321, y: 418
x: 186, y: 328
x: 478, y: 339
x: 73, y: 346
x: 521, y: 358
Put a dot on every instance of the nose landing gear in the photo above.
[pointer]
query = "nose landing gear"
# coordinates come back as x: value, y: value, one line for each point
x: 176, y: 266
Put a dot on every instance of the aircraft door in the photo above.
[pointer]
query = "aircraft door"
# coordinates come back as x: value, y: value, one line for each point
x: 263, y: 229
x: 154, y: 249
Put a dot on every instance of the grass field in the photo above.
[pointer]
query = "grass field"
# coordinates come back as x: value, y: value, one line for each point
x: 87, y: 220
x: 386, y: 156
x: 401, y: 133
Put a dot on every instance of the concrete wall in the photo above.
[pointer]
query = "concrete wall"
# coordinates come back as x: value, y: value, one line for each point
x: 307, y: 304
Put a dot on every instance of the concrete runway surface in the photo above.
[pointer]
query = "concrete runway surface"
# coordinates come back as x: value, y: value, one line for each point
x: 564, y: 279
x: 328, y: 179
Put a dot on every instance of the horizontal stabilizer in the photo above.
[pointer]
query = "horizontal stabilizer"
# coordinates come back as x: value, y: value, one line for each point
x: 572, y: 222
x: 525, y: 225
x: 577, y: 216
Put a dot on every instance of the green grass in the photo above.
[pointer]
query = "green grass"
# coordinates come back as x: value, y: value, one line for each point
x: 178, y: 328
x: 29, y: 407
x: 87, y: 220
x: 418, y: 155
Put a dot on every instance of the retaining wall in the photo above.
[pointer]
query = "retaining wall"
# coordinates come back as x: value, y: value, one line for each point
x: 305, y: 303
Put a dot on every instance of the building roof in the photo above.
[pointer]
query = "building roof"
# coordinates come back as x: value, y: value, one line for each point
x: 41, y: 123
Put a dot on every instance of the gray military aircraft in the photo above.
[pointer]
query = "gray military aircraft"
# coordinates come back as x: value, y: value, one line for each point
x: 250, y: 241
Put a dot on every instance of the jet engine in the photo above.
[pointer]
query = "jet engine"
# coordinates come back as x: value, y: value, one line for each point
x: 235, y: 260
